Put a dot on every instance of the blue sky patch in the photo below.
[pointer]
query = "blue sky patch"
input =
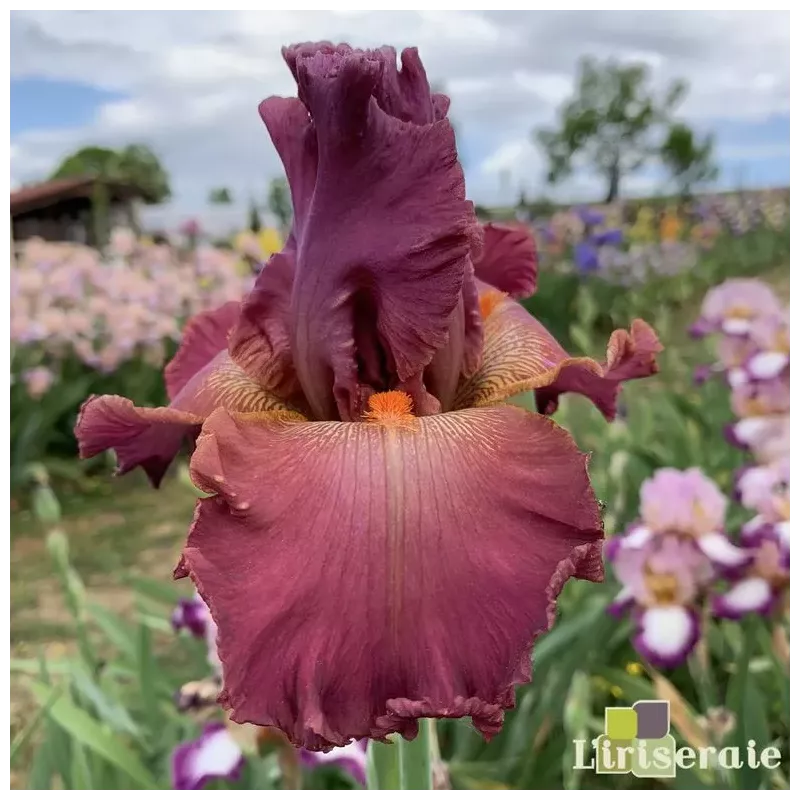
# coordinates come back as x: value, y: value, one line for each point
x: 42, y: 104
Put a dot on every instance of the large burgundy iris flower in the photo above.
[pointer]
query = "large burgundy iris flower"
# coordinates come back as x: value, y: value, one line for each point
x: 385, y: 535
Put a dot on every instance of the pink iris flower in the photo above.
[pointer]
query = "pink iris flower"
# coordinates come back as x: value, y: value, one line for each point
x: 668, y: 560
x: 763, y: 581
x: 733, y: 306
x: 385, y: 535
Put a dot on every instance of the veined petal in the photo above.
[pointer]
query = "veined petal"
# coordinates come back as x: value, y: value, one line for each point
x: 667, y: 634
x: 204, y: 337
x: 629, y: 355
x: 508, y: 261
x: 520, y: 354
x: 149, y: 438
x: 360, y: 580
x: 369, y: 240
x: 152, y: 437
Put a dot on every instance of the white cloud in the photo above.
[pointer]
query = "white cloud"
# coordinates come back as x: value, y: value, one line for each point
x: 193, y: 81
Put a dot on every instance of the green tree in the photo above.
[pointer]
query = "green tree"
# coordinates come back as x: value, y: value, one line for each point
x: 136, y: 166
x: 254, y: 217
x: 221, y: 196
x: 689, y: 159
x: 609, y: 121
x: 279, y: 200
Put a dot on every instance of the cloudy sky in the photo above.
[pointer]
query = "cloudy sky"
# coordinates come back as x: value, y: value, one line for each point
x: 188, y: 84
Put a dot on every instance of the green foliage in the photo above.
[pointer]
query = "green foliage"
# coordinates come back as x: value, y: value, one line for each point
x: 279, y: 201
x: 689, y: 159
x: 42, y: 431
x: 609, y: 121
x: 135, y: 165
x: 220, y: 196
x: 254, y: 218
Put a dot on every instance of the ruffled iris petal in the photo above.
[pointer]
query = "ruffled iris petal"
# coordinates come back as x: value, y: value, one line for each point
x: 260, y: 342
x: 369, y: 250
x: 149, y: 438
x: 152, y: 437
x: 365, y: 575
x: 204, y: 336
x: 508, y: 261
x: 520, y: 354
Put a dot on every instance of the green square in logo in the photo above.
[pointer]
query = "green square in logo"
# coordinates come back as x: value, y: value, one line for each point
x: 621, y: 723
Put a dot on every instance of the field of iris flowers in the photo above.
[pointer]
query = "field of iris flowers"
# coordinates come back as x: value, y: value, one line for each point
x: 115, y: 665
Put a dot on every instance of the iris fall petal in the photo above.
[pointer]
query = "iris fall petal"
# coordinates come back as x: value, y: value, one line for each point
x: 667, y: 634
x: 750, y: 595
x: 358, y: 580
x: 213, y: 755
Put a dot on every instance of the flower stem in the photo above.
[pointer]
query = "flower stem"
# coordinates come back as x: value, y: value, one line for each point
x: 416, y: 762
x: 383, y: 765
x: 401, y: 764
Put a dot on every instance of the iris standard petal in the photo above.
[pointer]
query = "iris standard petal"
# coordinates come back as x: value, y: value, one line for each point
x: 294, y: 138
x: 508, y: 261
x: 260, y: 342
x: 520, y: 354
x: 364, y: 575
x: 461, y: 355
x: 204, y: 336
x: 389, y: 232
x: 152, y: 437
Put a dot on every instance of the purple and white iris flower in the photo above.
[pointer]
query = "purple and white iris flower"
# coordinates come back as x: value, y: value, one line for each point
x: 214, y: 755
x: 667, y: 561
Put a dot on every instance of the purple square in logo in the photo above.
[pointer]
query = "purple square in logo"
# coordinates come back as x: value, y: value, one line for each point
x: 652, y: 719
